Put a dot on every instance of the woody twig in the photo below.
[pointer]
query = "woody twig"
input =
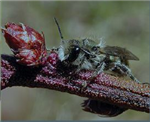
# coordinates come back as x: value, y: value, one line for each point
x: 104, y: 87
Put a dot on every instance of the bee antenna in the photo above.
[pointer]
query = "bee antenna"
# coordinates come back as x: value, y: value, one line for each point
x: 61, y: 36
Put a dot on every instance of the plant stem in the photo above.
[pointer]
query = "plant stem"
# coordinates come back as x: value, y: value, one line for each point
x: 104, y: 87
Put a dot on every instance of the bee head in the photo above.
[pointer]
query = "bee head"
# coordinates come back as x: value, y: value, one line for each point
x: 94, y: 48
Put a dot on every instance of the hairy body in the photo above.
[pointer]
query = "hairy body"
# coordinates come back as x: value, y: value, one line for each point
x: 87, y: 55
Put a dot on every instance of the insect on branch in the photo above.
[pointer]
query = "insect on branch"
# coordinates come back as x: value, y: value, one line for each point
x: 79, y: 69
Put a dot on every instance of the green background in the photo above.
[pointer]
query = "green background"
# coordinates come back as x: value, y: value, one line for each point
x: 124, y: 24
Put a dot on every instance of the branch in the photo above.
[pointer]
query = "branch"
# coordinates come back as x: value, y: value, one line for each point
x: 103, y: 87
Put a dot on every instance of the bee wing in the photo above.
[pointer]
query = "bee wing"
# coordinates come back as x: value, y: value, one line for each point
x: 120, y: 52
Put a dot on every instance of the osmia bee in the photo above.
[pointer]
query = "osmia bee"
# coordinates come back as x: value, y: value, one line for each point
x: 87, y: 55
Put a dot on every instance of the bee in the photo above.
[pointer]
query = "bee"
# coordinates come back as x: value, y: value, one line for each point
x: 86, y: 54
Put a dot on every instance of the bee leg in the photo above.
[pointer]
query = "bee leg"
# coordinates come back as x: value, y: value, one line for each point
x: 86, y: 82
x: 101, y: 67
x: 127, y: 71
x: 79, y: 67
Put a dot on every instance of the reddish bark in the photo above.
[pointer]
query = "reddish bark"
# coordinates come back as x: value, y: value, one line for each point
x: 103, y: 87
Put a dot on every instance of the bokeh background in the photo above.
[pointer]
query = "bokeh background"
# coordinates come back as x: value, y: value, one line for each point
x: 124, y: 24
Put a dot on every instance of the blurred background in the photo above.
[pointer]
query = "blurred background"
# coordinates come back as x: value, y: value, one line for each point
x: 124, y: 24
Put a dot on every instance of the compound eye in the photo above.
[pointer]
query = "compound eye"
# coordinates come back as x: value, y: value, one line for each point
x: 74, y: 53
x: 94, y: 48
x: 75, y: 50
